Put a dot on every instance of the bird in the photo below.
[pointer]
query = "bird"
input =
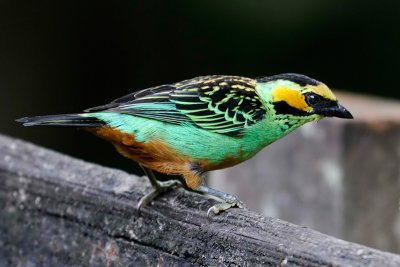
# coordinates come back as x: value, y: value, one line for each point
x: 203, y: 124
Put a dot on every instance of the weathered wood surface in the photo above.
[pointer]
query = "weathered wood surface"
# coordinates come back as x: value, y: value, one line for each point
x: 60, y: 211
x: 339, y: 177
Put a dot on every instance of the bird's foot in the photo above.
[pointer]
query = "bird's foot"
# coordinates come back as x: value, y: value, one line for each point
x: 233, y: 201
x: 229, y: 201
x: 158, y: 188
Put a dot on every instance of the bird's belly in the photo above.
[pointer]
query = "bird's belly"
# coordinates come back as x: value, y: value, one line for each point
x: 183, y: 141
x: 189, y: 157
x: 169, y: 155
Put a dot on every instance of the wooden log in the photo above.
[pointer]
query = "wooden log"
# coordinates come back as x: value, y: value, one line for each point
x: 339, y: 177
x: 60, y: 211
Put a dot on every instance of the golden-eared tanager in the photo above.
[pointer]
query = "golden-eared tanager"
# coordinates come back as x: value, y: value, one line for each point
x: 203, y: 124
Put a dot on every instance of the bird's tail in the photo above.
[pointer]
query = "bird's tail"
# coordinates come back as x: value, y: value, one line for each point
x: 77, y: 120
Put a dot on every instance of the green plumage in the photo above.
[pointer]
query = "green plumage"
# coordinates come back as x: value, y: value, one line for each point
x: 207, y: 118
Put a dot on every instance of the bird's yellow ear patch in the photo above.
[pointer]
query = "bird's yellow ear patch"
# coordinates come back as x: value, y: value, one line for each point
x: 291, y: 97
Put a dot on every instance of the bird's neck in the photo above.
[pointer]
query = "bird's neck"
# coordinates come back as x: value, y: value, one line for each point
x: 272, y: 128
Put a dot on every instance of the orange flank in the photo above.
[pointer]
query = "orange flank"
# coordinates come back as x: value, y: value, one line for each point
x: 154, y: 155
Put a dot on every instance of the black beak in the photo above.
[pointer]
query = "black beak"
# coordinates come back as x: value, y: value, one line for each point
x: 334, y: 111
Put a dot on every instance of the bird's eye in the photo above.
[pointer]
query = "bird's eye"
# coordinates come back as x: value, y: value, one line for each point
x: 313, y: 99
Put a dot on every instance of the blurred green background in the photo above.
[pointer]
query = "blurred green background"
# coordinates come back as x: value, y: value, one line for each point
x: 65, y: 56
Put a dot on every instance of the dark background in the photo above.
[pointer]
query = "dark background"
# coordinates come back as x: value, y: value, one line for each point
x: 65, y: 56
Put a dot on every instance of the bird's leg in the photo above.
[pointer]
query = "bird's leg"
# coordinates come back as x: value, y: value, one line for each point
x: 158, y: 187
x: 229, y: 200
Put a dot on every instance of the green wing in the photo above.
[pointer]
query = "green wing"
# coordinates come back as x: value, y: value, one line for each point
x: 220, y: 104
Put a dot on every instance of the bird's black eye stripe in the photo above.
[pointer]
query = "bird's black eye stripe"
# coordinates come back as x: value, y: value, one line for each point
x: 284, y: 108
x: 313, y: 99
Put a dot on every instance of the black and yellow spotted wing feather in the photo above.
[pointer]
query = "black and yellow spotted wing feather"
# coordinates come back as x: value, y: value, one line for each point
x: 219, y: 104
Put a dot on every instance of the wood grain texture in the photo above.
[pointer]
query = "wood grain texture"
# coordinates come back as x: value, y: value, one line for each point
x: 60, y: 211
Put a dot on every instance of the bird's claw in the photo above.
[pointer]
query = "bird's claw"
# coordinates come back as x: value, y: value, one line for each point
x: 230, y: 202
x: 158, y: 189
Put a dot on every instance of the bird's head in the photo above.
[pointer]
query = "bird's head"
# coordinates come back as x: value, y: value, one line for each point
x: 299, y: 96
